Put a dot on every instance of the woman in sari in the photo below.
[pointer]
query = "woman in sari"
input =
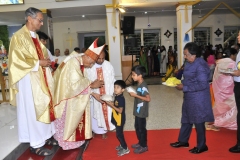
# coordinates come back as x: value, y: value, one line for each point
x: 164, y: 58
x: 224, y: 110
x: 143, y: 59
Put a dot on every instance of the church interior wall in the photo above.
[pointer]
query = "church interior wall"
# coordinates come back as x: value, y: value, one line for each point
x: 62, y: 33
x: 216, y: 21
x: 163, y: 23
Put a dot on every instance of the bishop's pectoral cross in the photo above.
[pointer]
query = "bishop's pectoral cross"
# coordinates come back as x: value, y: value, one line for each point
x: 70, y: 40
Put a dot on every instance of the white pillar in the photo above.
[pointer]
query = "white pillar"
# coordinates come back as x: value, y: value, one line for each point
x: 182, y: 28
x: 142, y: 40
x: 114, y: 41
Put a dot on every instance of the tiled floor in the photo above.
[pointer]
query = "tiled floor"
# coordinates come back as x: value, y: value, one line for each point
x: 8, y: 129
x: 164, y: 112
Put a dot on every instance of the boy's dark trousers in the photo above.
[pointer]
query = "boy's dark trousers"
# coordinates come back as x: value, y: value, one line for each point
x: 141, y: 131
x: 120, y: 136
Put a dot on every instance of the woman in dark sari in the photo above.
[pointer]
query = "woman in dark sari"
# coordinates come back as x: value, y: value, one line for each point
x: 156, y: 61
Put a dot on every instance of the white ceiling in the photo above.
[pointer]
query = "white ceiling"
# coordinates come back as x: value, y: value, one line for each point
x: 170, y: 8
x: 99, y: 12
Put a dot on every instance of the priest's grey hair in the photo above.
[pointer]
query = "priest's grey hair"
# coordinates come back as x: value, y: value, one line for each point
x: 32, y: 12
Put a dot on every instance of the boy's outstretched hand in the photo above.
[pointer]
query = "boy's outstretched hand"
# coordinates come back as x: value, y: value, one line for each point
x: 132, y: 94
x: 109, y: 103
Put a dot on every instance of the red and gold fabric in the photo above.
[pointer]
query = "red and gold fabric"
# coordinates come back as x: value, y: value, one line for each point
x: 23, y: 57
x: 41, y: 57
x: 102, y: 92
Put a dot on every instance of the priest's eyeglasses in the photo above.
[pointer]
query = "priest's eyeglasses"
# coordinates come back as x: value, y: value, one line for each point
x: 40, y: 21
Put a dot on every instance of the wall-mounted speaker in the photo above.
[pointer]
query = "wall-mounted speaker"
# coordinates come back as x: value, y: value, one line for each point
x: 128, y: 25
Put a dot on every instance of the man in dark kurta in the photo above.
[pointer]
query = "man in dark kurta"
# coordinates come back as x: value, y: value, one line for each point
x: 196, y: 108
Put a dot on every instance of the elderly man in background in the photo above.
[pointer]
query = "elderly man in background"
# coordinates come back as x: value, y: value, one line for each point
x: 100, y: 112
x: 66, y: 52
x: 57, y: 52
x: 57, y: 56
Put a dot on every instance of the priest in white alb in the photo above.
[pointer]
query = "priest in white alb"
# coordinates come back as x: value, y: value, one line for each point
x: 100, y: 112
x: 31, y: 85
x: 72, y: 98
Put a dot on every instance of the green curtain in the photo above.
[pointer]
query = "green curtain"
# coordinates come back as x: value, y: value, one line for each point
x: 4, y: 36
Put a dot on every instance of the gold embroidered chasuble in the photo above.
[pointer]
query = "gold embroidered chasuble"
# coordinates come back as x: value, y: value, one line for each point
x: 72, y: 90
x: 23, y: 58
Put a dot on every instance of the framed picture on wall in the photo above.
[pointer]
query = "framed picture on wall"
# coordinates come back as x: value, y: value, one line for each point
x: 11, y: 2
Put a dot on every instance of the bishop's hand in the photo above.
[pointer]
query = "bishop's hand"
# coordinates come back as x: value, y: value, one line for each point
x: 97, y: 84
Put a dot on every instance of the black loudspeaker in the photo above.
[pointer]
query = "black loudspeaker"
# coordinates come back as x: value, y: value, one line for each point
x: 128, y: 25
x: 131, y: 42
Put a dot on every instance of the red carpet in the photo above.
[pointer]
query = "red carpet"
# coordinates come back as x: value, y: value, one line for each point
x: 159, y: 148
x: 66, y: 155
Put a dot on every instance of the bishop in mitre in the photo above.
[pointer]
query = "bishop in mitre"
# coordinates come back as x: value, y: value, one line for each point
x: 101, y: 113
x: 31, y: 85
x: 72, y: 98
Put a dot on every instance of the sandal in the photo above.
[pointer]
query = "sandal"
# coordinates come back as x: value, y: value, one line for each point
x: 41, y: 151
x: 52, y: 142
x: 212, y: 127
x: 104, y: 136
x: 208, y: 127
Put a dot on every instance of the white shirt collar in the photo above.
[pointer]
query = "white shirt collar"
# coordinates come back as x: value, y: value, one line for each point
x: 33, y: 34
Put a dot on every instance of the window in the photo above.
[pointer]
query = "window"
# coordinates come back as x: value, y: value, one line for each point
x: 90, y: 37
x: 151, y: 37
x: 202, y: 36
x: 230, y: 35
x: 132, y: 43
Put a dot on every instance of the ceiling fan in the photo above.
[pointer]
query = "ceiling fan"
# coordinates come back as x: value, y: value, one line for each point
x: 118, y: 7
